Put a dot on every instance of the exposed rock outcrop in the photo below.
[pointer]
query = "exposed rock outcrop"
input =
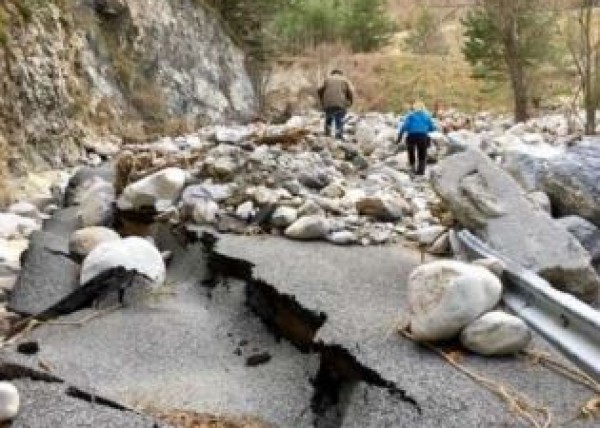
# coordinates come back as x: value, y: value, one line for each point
x: 82, y: 70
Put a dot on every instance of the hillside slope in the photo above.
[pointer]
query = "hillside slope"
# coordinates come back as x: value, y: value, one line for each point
x: 79, y: 71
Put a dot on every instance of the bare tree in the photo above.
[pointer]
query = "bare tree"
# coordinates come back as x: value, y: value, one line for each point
x: 584, y: 46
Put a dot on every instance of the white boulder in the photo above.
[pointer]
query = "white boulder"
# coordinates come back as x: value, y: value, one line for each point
x: 308, y: 227
x: 83, y: 241
x: 9, y: 401
x: 157, y: 190
x: 284, y: 216
x: 496, y: 333
x: 444, y: 296
x: 131, y: 253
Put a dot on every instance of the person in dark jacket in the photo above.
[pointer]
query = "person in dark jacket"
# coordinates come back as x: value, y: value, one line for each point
x: 417, y: 125
x: 336, y: 96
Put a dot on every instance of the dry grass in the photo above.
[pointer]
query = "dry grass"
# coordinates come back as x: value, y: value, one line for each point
x: 186, y: 419
x: 390, y: 81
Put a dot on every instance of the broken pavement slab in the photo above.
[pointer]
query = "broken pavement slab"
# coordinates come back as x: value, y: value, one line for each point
x: 47, y: 275
x: 361, y: 292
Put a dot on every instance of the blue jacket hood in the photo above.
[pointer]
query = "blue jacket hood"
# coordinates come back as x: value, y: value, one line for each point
x: 416, y: 122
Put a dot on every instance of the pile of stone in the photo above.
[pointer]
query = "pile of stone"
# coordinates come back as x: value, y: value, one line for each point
x: 451, y: 299
x: 289, y: 180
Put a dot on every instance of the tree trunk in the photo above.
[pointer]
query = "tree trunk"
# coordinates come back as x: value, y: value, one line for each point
x: 516, y: 70
x: 520, y: 91
x: 589, y: 85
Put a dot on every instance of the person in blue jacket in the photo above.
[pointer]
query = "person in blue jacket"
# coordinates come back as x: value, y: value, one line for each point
x: 417, y: 125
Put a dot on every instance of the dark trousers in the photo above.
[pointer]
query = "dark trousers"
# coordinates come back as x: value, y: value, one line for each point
x: 335, y: 115
x: 417, y: 144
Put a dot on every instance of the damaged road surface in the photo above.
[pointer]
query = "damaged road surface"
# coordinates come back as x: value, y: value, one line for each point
x: 296, y: 334
x: 370, y: 374
x: 185, y: 348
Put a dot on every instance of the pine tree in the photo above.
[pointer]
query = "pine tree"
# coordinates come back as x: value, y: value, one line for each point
x: 509, y: 38
x: 367, y: 25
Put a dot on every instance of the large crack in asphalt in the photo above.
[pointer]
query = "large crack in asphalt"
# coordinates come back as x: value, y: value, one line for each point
x: 286, y: 318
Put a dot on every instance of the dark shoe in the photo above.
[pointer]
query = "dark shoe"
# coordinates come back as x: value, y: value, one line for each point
x: 327, y: 132
x: 339, y: 137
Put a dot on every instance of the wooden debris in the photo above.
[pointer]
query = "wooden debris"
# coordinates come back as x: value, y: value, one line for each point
x: 289, y: 138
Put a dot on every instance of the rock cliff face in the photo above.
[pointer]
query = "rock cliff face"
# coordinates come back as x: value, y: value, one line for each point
x: 75, y: 72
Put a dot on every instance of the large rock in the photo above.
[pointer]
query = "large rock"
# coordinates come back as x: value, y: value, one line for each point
x: 587, y: 234
x: 156, y: 191
x: 486, y: 200
x: 308, y: 227
x: 444, y: 296
x: 572, y: 182
x: 83, y: 241
x: 131, y: 253
x: 95, y: 200
x: 284, y: 216
x: 48, y: 274
x: 496, y: 333
x: 81, y: 179
x: 527, y: 164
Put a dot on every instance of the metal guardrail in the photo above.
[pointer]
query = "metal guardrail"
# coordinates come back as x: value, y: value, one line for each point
x: 566, y: 322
